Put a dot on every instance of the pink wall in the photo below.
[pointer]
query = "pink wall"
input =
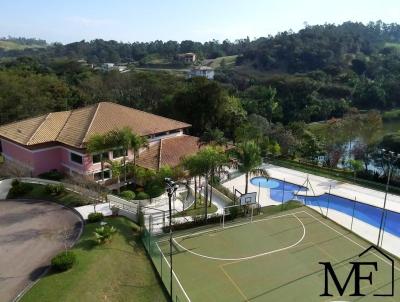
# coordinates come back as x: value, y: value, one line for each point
x: 44, y: 160
x: 17, y: 153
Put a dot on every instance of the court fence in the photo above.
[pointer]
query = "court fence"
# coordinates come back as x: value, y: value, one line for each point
x: 155, y: 244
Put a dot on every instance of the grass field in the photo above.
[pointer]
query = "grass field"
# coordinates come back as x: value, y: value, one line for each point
x: 218, y: 62
x: 116, y: 271
x: 272, y: 259
x: 10, y: 45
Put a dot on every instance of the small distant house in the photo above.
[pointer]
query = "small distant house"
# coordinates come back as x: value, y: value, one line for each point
x: 202, y: 71
x: 111, y: 66
x: 107, y: 66
x: 187, y: 58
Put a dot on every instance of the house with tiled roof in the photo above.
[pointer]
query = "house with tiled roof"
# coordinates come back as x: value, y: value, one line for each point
x: 57, y: 141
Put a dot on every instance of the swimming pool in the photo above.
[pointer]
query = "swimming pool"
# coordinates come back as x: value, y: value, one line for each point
x: 285, y: 191
x: 279, y: 190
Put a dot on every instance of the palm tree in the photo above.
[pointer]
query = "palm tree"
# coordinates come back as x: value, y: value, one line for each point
x: 128, y: 140
x: 208, y: 159
x: 248, y: 155
x: 192, y: 165
x: 116, y: 169
x: 137, y: 142
x: 99, y: 143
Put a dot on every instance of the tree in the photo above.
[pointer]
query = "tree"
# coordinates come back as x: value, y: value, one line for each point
x: 249, y: 159
x: 193, y: 165
x: 116, y: 169
x: 213, y: 136
x: 206, y: 105
x: 128, y: 140
x: 99, y: 143
x: 207, y: 160
x: 391, y: 142
x: 355, y: 166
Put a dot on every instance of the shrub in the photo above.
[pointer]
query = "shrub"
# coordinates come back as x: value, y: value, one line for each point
x: 52, y: 175
x: 55, y: 189
x: 234, y: 212
x: 95, y: 217
x: 127, y: 194
x: 104, y: 234
x: 63, y: 261
x: 142, y: 195
x: 15, y: 183
x: 215, y: 181
x: 155, y: 191
x: 19, y: 189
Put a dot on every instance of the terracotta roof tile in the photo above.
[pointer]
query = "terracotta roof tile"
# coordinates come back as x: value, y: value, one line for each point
x: 75, y: 127
x: 149, y: 158
x: 49, y: 130
x: 22, y: 131
x: 169, y: 151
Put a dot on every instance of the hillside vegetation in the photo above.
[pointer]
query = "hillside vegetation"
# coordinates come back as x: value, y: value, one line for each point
x: 10, y: 43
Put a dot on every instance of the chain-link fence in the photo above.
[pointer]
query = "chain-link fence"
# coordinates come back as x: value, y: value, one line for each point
x: 157, y: 247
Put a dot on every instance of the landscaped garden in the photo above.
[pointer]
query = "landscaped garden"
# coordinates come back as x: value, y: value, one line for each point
x: 116, y: 270
x: 56, y: 193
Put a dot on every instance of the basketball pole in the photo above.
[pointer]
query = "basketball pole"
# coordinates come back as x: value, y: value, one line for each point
x: 171, y: 188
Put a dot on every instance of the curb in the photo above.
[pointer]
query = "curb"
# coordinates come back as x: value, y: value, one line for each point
x: 45, y: 272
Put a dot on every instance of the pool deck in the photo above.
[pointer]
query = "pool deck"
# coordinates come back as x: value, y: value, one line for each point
x: 319, y: 185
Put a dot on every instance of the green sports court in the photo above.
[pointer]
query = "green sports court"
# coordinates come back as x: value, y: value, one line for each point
x: 273, y: 258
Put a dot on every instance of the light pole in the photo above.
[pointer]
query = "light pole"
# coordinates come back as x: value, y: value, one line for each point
x: 171, y: 187
x: 392, y: 158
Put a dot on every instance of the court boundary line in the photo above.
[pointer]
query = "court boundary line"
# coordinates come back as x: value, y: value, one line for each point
x: 219, y: 228
x: 237, y: 287
x: 232, y: 226
x: 173, y: 272
x: 253, y: 256
x: 351, y: 240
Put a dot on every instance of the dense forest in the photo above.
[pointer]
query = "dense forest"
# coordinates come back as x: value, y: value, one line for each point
x: 276, y: 86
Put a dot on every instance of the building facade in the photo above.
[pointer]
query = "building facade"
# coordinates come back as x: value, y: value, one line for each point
x: 57, y: 141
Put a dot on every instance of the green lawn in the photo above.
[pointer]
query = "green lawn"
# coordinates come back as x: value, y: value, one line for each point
x: 117, y: 271
x: 67, y: 198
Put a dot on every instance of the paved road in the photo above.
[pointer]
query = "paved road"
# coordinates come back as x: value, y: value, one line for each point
x: 31, y: 233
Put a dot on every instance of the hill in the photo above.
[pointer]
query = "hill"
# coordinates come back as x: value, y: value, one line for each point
x: 10, y: 43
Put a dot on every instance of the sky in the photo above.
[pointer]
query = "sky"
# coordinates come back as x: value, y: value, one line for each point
x: 148, y: 20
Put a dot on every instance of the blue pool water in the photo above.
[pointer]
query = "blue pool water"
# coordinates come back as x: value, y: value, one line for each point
x: 285, y: 191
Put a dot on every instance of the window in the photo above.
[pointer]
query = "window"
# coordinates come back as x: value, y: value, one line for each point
x: 97, y: 175
x: 76, y: 158
x: 96, y: 158
x: 119, y: 153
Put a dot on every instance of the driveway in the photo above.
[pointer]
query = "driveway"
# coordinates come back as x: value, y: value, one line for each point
x: 31, y: 233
